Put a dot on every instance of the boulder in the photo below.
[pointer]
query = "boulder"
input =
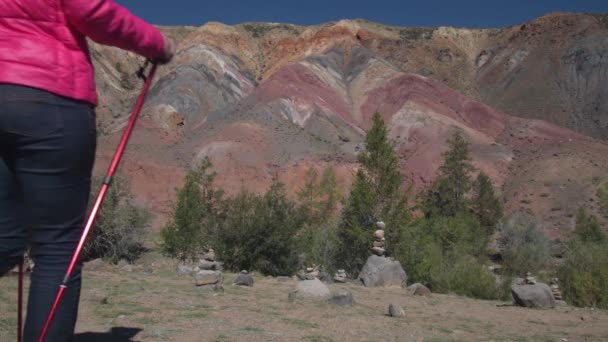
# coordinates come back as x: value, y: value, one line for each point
x: 342, y: 297
x: 312, y: 289
x: 382, y: 272
x: 395, y: 310
x: 206, y: 277
x: 533, y: 296
x: 244, y: 279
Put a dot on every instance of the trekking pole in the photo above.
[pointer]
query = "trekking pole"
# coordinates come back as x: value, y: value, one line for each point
x: 102, y: 193
x: 20, y: 303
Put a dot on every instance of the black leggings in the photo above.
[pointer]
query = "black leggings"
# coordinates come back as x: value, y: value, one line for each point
x: 47, y: 149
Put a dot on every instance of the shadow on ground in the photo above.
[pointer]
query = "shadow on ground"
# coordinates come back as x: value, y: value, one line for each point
x: 116, y: 334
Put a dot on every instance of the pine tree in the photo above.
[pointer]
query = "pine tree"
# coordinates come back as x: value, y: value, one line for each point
x: 485, y: 203
x: 446, y: 197
x: 192, y: 227
x: 376, y: 194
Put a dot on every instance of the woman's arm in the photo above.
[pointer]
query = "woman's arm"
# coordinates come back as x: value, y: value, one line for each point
x: 107, y: 23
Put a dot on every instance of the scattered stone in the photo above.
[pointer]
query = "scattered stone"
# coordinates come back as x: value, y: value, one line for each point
x: 382, y: 272
x: 340, y: 276
x: 312, y: 289
x: 342, y: 297
x: 244, y: 279
x: 380, y: 225
x: 533, y: 296
x: 206, y: 277
x: 395, y: 310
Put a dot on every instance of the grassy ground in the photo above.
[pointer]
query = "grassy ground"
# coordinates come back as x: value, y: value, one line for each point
x: 118, y: 305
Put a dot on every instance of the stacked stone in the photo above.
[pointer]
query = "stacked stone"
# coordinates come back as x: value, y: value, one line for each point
x: 530, y: 280
x: 209, y: 272
x: 378, y: 245
x: 340, y: 276
x: 557, y: 294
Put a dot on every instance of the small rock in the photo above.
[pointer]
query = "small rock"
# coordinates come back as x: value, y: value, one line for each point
x: 244, y: 272
x: 244, y: 279
x: 380, y: 225
x: 379, y: 234
x: 210, y: 265
x: 379, y: 251
x: 342, y: 297
x: 379, y: 244
x: 340, y: 278
x: 209, y: 256
x: 394, y: 310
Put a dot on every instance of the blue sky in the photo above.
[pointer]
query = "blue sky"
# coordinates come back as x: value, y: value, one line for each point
x: 461, y: 13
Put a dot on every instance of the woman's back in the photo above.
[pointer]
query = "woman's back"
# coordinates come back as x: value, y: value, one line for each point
x: 43, y: 44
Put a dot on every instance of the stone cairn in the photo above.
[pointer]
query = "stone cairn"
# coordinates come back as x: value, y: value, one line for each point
x: 378, y: 245
x: 208, y: 273
x: 340, y: 276
x: 529, y: 280
x: 557, y: 294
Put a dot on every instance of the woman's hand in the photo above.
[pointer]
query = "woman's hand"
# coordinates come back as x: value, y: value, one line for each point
x: 169, y: 50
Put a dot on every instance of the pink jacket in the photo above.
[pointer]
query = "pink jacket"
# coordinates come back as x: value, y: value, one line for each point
x: 43, y: 45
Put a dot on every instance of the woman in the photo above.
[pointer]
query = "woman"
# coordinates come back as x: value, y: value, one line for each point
x: 47, y: 136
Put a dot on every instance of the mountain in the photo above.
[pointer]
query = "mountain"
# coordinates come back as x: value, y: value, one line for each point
x: 266, y: 100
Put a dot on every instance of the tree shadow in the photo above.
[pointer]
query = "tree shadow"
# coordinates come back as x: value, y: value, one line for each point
x: 116, y: 334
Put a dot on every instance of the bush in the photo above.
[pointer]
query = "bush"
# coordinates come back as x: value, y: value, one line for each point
x: 466, y: 277
x: 442, y: 252
x: 524, y: 245
x: 259, y: 232
x: 588, y: 229
x: 120, y: 227
x: 584, y: 274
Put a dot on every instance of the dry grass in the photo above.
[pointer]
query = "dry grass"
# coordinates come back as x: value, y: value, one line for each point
x: 163, y: 307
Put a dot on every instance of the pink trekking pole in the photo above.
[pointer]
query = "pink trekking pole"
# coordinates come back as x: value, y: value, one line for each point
x: 102, y: 193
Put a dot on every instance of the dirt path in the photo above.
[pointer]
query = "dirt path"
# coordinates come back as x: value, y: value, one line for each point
x: 118, y: 305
